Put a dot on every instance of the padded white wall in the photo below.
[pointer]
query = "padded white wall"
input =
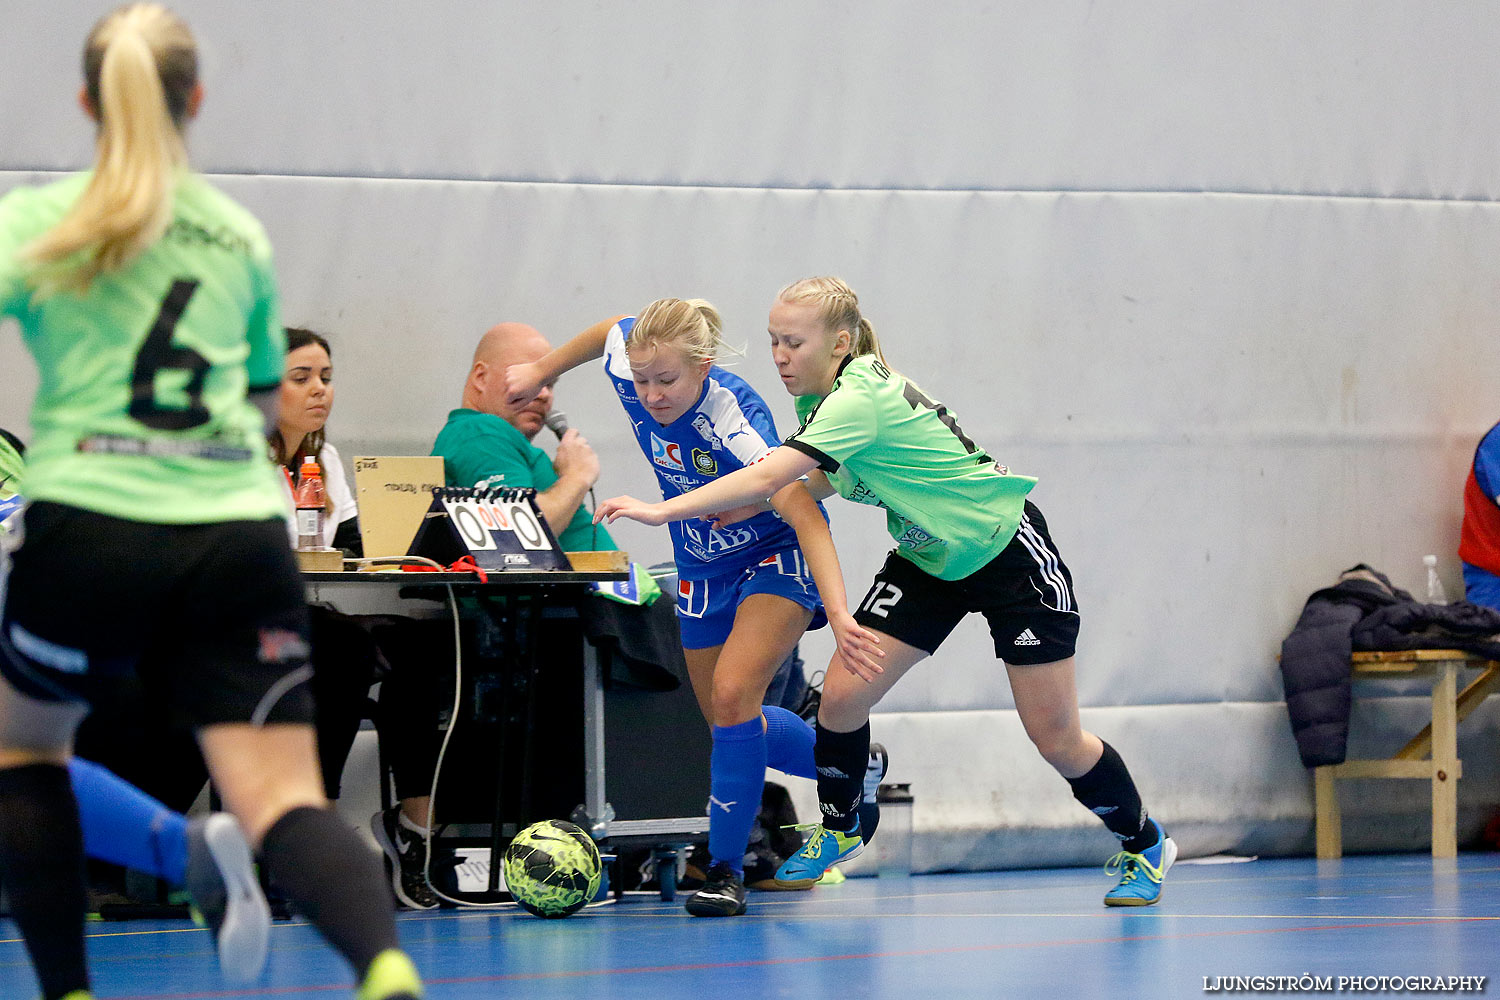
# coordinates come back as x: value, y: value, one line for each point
x: 1222, y: 278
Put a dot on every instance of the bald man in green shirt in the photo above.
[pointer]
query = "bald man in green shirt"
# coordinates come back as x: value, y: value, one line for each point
x: 487, y: 443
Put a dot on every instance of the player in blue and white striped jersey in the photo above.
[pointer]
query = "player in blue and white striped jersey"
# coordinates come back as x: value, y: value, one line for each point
x: 745, y: 591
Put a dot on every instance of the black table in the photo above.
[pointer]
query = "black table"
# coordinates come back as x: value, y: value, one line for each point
x: 529, y: 594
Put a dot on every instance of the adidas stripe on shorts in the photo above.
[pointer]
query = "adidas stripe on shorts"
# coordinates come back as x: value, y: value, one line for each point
x: 1025, y: 593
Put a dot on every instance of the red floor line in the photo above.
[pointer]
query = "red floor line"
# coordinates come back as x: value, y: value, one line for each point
x: 803, y: 960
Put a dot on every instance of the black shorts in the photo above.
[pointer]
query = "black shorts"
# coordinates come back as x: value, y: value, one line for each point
x: 1025, y: 593
x: 212, y: 617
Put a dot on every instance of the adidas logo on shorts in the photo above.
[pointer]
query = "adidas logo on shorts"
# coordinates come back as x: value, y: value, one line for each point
x: 1026, y: 638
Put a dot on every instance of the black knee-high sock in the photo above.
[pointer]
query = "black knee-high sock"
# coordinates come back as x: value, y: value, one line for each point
x: 1109, y: 793
x: 334, y: 880
x: 41, y: 866
x: 841, y: 759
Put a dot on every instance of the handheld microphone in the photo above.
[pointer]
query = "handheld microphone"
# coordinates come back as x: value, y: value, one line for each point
x: 557, y: 423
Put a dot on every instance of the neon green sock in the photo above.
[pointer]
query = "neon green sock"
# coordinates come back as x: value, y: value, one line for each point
x: 391, y: 975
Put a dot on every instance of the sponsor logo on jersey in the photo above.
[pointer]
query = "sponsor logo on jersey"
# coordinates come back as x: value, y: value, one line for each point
x: 193, y: 234
x: 863, y: 494
x: 1004, y: 470
x: 667, y: 454
x: 704, y: 428
x: 745, y: 431
x: 626, y: 394
x: 682, y: 482
x: 704, y: 462
x: 913, y: 537
x: 710, y: 544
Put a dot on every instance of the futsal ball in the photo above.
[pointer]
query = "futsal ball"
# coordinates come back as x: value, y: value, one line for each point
x: 552, y: 868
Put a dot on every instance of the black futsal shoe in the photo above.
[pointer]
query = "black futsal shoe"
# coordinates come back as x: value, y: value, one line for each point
x: 722, y: 895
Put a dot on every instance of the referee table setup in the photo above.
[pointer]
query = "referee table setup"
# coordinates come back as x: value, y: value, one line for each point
x: 1374, y: 925
x: 539, y: 715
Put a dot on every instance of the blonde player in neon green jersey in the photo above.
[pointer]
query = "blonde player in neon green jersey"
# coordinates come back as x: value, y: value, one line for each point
x: 967, y: 539
x: 148, y: 300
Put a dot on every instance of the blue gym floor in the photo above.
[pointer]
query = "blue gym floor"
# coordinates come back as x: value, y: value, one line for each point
x: 1013, y: 934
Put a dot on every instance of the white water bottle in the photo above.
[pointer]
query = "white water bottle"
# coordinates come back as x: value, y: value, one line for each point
x: 1435, y: 592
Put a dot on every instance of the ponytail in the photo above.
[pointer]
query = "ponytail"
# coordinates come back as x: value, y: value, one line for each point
x: 865, y: 341
x: 140, y: 67
x: 838, y: 309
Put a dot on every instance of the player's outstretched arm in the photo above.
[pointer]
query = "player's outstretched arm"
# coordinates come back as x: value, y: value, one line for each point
x: 859, y: 649
x: 631, y: 509
x: 817, y: 484
x: 524, y: 382
x: 781, y: 467
x: 722, y: 519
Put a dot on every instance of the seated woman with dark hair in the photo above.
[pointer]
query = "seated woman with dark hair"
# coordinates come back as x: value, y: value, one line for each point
x: 306, y: 400
x: 344, y: 658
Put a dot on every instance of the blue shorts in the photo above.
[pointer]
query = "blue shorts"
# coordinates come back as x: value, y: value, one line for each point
x: 706, y: 608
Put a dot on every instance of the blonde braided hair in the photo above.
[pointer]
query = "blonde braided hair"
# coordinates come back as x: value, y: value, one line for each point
x: 838, y: 309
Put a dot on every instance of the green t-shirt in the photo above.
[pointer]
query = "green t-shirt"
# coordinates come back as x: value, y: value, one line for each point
x: 480, y: 449
x: 140, y: 411
x: 880, y: 440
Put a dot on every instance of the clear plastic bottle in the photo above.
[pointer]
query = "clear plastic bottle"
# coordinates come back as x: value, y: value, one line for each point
x: 1435, y: 592
x: 311, y: 505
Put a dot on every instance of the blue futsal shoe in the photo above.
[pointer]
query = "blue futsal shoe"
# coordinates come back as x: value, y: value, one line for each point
x: 824, y: 849
x: 1141, y: 874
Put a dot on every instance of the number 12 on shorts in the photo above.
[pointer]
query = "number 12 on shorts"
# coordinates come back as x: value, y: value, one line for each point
x: 881, y: 598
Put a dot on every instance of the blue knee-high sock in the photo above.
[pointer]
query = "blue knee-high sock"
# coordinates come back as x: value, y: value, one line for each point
x: 737, y: 773
x: 789, y: 742
x: 124, y: 825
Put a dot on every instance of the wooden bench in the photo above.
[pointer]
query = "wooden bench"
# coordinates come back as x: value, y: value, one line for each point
x: 1431, y: 755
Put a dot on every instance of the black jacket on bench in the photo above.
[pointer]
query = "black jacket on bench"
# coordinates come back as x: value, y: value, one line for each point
x: 1363, y: 611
